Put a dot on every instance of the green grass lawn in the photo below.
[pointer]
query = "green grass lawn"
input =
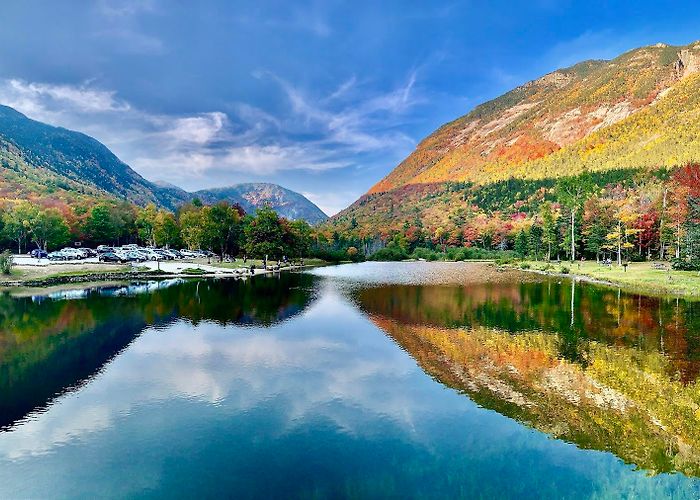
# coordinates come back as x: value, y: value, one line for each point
x: 640, y: 276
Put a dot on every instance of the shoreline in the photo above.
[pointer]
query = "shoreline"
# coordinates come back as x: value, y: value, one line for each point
x: 112, y: 276
x: 640, y: 279
x: 573, y: 276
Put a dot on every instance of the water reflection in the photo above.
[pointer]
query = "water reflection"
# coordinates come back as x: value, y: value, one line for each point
x: 595, y: 366
x: 287, y: 389
x: 667, y: 326
x: 53, y: 341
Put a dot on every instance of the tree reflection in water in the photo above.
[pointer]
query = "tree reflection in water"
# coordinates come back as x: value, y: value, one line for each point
x: 595, y: 366
x: 53, y: 342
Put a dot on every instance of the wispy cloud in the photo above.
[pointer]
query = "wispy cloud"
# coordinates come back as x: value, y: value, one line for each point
x: 333, y: 201
x: 45, y: 101
x: 365, y: 123
x: 124, y: 8
x: 119, y: 21
x: 317, y: 133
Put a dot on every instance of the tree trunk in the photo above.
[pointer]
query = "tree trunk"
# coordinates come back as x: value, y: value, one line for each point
x: 573, y: 240
x: 619, y: 243
x: 662, y: 244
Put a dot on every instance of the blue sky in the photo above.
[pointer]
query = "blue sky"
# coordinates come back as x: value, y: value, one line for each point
x: 323, y: 97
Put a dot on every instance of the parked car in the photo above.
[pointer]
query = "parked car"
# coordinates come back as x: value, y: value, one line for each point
x: 132, y: 256
x: 104, y: 249
x: 204, y: 253
x: 38, y: 253
x: 59, y: 255
x: 90, y: 252
x: 164, y: 255
x: 150, y: 254
x: 72, y: 253
x: 188, y: 254
x: 110, y: 257
x: 174, y: 253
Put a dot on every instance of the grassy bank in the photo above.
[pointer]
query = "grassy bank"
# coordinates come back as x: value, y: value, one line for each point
x: 259, y: 263
x: 38, y: 273
x: 57, y: 274
x: 639, y: 276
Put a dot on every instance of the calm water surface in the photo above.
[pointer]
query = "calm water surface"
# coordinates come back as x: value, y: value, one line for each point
x: 369, y: 380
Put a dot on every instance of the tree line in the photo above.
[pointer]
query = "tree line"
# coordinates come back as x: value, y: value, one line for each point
x: 618, y: 215
x: 223, y: 228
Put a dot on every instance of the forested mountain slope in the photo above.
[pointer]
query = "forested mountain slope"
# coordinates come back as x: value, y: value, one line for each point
x: 638, y: 111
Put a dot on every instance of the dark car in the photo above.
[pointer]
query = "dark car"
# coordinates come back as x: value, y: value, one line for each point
x: 38, y: 253
x: 164, y: 255
x: 110, y: 257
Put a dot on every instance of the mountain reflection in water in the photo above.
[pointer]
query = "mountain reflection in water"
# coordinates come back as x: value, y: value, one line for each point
x: 595, y: 366
x: 370, y: 380
x: 53, y: 341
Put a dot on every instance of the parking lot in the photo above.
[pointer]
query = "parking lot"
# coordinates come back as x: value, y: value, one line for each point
x: 26, y: 260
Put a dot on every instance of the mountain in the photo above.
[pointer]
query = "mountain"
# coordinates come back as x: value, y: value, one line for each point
x: 69, y: 157
x: 251, y: 196
x: 59, y: 167
x: 640, y: 110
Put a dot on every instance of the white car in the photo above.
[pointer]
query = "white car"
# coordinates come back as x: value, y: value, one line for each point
x: 150, y: 254
x: 73, y: 253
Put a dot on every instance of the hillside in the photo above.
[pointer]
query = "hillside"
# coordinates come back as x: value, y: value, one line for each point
x: 54, y: 166
x: 638, y: 111
x: 72, y: 157
x: 251, y: 196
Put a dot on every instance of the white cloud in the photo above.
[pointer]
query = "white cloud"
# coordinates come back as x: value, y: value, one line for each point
x: 332, y: 202
x: 45, y: 101
x: 201, y: 130
x: 315, y: 134
x: 363, y: 125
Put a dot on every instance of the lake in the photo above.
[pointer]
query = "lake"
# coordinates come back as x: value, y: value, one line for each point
x: 360, y: 380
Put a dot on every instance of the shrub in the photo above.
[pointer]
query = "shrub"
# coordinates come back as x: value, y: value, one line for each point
x: 336, y: 256
x: 564, y: 270
x: 391, y: 253
x: 6, y: 262
x: 425, y: 254
x: 524, y: 265
x: 504, y: 260
x: 685, y: 265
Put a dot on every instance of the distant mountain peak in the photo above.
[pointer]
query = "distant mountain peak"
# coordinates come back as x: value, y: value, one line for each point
x: 43, y: 162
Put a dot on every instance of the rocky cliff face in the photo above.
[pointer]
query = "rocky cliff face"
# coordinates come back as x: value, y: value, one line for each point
x: 688, y: 61
x: 515, y: 134
x: 252, y: 196
x: 638, y: 110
